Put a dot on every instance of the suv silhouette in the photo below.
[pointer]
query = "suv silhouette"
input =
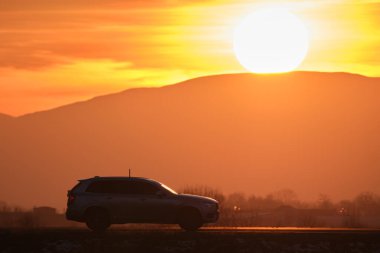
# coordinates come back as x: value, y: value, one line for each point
x: 102, y: 201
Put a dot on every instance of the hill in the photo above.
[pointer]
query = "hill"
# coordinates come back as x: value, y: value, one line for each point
x: 5, y: 118
x: 312, y: 132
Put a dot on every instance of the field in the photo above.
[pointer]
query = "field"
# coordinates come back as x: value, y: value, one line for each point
x: 206, y: 240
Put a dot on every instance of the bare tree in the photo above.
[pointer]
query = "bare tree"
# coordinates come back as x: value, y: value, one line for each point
x: 324, y: 202
x: 368, y: 203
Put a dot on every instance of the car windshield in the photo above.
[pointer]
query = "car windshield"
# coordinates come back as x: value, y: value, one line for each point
x: 169, y: 189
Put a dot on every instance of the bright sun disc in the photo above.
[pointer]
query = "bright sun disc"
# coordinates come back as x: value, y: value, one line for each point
x: 271, y: 41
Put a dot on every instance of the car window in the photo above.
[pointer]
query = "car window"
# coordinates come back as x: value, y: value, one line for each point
x: 169, y: 189
x: 122, y: 187
x: 139, y: 187
x: 76, y: 186
x: 106, y: 186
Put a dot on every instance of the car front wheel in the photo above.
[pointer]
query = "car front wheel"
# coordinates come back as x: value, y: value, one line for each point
x: 97, y: 220
x: 190, y: 220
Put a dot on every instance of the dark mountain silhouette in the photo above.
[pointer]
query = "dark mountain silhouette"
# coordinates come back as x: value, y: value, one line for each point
x: 312, y: 132
x: 5, y: 118
x: 5, y: 121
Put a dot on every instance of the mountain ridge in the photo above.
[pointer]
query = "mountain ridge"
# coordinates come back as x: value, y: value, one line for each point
x: 313, y: 132
x: 5, y: 119
x: 185, y: 81
x: 5, y: 116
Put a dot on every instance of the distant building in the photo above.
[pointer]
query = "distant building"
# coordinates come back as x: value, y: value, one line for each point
x: 43, y: 216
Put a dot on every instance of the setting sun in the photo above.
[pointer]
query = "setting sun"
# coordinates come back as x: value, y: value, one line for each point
x: 271, y: 41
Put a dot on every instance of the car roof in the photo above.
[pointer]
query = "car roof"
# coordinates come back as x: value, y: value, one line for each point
x: 98, y: 178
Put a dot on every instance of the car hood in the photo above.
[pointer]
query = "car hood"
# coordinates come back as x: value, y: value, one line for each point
x: 196, y: 198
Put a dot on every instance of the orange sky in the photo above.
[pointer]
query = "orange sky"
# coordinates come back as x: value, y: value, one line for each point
x: 62, y: 51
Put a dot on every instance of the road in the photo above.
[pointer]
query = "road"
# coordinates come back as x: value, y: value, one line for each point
x: 290, y: 230
x: 209, y: 239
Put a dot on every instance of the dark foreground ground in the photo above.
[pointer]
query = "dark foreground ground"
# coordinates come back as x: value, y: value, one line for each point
x: 207, y: 240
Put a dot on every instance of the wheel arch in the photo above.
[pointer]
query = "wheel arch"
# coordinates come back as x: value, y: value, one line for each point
x: 95, y: 208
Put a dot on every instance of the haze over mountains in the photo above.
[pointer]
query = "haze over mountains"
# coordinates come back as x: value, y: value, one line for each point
x: 311, y: 132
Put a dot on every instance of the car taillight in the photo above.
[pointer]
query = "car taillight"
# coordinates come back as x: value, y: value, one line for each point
x: 70, y: 198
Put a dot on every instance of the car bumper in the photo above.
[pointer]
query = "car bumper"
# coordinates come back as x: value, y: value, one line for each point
x: 211, y: 217
x: 73, y: 215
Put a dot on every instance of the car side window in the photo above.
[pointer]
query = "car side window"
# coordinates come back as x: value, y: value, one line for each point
x: 105, y: 186
x: 122, y: 187
x: 143, y: 188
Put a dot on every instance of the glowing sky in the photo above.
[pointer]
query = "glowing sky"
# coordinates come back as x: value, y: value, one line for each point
x: 54, y: 52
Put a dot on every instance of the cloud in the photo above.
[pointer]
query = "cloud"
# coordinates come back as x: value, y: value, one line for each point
x: 93, y: 4
x: 65, y: 4
x: 47, y: 33
x: 149, y: 38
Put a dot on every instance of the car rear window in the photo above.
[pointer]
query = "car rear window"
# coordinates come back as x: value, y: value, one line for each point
x: 76, y: 186
x: 122, y: 187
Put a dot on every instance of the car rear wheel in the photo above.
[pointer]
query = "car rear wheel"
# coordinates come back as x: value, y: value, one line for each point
x: 97, y: 220
x: 190, y: 220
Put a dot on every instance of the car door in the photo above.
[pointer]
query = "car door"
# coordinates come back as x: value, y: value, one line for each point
x: 125, y: 201
x: 152, y: 206
x: 104, y: 193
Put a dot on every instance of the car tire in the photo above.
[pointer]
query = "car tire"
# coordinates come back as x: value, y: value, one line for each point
x: 190, y: 220
x: 97, y: 220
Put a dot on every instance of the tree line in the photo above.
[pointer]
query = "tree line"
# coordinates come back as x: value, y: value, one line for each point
x: 283, y: 208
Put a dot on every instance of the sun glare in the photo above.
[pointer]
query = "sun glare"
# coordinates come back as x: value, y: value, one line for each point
x: 271, y: 41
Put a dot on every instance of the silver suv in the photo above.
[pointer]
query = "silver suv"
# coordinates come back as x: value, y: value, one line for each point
x: 102, y: 201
